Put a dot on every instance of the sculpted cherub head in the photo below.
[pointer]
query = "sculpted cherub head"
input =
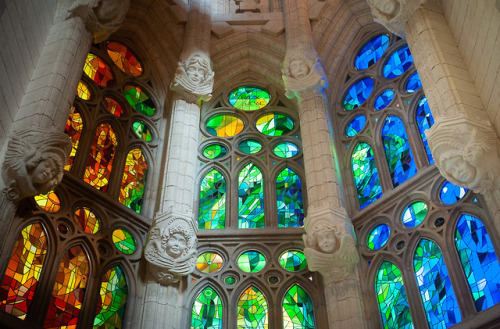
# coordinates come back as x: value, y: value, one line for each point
x: 324, y: 239
x: 45, y: 170
x: 298, y: 64
x: 194, y: 77
x: 176, y: 241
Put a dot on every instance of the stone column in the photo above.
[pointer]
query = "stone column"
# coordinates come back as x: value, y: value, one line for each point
x: 330, y: 243
x: 463, y: 141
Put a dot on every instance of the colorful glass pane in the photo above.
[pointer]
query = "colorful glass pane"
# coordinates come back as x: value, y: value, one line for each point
x: 101, y: 157
x: 384, y: 99
x: 124, y: 241
x: 212, y: 201
x: 436, y: 291
x: 252, y: 310
x: 249, y: 98
x: 450, y: 193
x: 74, y: 128
x: 398, y: 63
x: 113, y: 106
x: 139, y: 100
x: 293, y: 260
x: 298, y: 312
x: 286, y: 150
x: 425, y: 121
x: 83, y: 91
x: 225, y: 125
x: 86, y: 220
x: 124, y: 59
x: 413, y: 84
x: 414, y: 214
x: 49, y: 202
x: 23, y: 271
x: 214, y: 151
x: 371, y: 52
x: 358, y: 93
x: 289, y: 199
x: 391, y: 297
x: 97, y: 70
x: 207, y: 310
x: 142, y: 131
x: 209, y: 262
x: 250, y: 146
x: 378, y: 237
x: 134, y: 180
x: 479, y: 261
x: 251, y: 261
x: 274, y: 124
x: 250, y: 197
x: 365, y: 175
x: 355, y: 126
x: 230, y: 280
x: 69, y: 290
x: 397, y: 151
x: 112, y: 300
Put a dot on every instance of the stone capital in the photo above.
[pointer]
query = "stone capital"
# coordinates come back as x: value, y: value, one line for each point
x: 34, y: 162
x: 393, y: 14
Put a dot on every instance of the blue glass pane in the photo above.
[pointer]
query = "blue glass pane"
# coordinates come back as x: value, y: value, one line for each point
x: 355, y: 126
x: 365, y: 174
x: 289, y: 199
x: 378, y: 237
x: 397, y: 151
x: 414, y: 214
x: 438, y: 297
x: 479, y: 261
x: 451, y: 193
x: 371, y: 52
x: 358, y: 93
x: 424, y: 122
x: 398, y: 63
x: 250, y: 197
x: 413, y: 84
x: 384, y: 99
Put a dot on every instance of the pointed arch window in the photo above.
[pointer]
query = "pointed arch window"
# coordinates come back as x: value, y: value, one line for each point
x: 365, y: 174
x: 134, y: 180
x: 298, y: 310
x: 289, y: 199
x: 252, y: 310
x: 425, y: 121
x: 112, y: 299
x: 212, y: 205
x: 207, y: 310
x: 250, y: 197
x: 74, y: 129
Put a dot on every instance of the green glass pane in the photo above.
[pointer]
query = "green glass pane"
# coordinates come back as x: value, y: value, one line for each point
x: 134, y: 180
x: 139, y: 100
x: 250, y: 146
x: 414, y: 214
x: 251, y: 261
x: 252, y: 310
x: 298, y: 310
x: 142, y: 131
x: 391, y: 297
x: 364, y: 170
x: 249, y: 98
x: 124, y: 241
x: 251, y: 197
x: 207, y: 310
x: 225, y: 125
x: 293, y: 260
x: 112, y: 299
x: 209, y: 262
x: 214, y: 151
x: 289, y: 199
x: 286, y: 150
x: 212, y: 213
x: 230, y: 280
x: 274, y: 124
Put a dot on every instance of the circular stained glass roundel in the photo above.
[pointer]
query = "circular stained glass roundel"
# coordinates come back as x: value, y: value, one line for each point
x: 451, y: 193
x: 251, y: 261
x: 124, y: 241
x: 124, y: 59
x: 398, y: 63
x: 87, y: 220
x: 83, y: 91
x: 413, y: 84
x: 49, y: 202
x: 209, y: 262
x: 355, y: 126
x: 142, y: 131
x: 214, y: 151
x: 293, y: 260
x: 139, y: 100
x: 414, y: 214
x: 286, y: 150
x: 274, y: 124
x: 358, y: 93
x: 378, y: 237
x: 113, y: 106
x: 384, y: 99
x: 249, y: 98
x: 371, y: 52
x: 250, y: 146
x: 224, y: 125
x: 97, y: 70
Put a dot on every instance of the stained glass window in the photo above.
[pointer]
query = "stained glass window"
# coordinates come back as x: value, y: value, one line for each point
x: 358, y: 93
x: 274, y: 124
x: 298, y: 310
x: 139, y: 100
x: 215, y: 151
x: 365, y: 174
x: 49, y: 202
x: 251, y: 197
x: 378, y: 237
x: 209, y: 262
x: 252, y: 310
x: 293, y: 260
x: 450, y: 193
x: 413, y: 84
x: 97, y: 70
x: 113, y: 106
x: 479, y: 261
x: 424, y: 121
x: 251, y: 261
x: 397, y: 151
x: 371, y: 52
x: 142, y: 131
x: 123, y: 241
x: 69, y: 290
x: 134, y: 180
x: 289, y: 199
x: 250, y: 146
x: 414, y: 214
x: 438, y: 297
x: 83, y: 91
x: 101, y: 157
x: 355, y: 126
x: 23, y: 271
x: 391, y: 298
x: 384, y: 99
x: 207, y: 310
x: 249, y: 98
x: 112, y: 299
x: 286, y: 150
x: 124, y: 59
x: 398, y: 63
x: 212, y: 213
x: 86, y: 220
x: 225, y: 125
x: 74, y: 128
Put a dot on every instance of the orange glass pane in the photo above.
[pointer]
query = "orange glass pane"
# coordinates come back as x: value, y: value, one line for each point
x: 83, y: 91
x: 113, y: 106
x: 87, y: 220
x: 101, y: 157
x: 124, y: 59
x: 96, y: 69
x: 74, y: 128
x: 133, y: 181
x: 49, y: 202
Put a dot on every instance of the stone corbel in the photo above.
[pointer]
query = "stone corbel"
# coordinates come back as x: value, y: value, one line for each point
x: 330, y: 243
x: 34, y: 162
x: 393, y: 14
x: 171, y: 248
x: 101, y: 17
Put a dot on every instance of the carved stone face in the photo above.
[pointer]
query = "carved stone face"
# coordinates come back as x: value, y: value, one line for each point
x: 298, y: 68
x: 460, y: 169
x: 176, y: 245
x: 44, y: 172
x: 388, y: 7
x: 195, y: 72
x: 326, y: 240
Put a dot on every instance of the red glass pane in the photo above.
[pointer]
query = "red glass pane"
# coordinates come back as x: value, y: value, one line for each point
x: 96, y: 69
x: 74, y: 128
x: 124, y: 59
x: 101, y: 158
x: 113, y: 106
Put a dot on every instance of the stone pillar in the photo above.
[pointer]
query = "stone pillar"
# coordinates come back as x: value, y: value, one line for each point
x: 330, y: 243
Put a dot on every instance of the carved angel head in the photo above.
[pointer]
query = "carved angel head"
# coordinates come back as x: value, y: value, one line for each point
x: 298, y: 64
x: 324, y: 239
